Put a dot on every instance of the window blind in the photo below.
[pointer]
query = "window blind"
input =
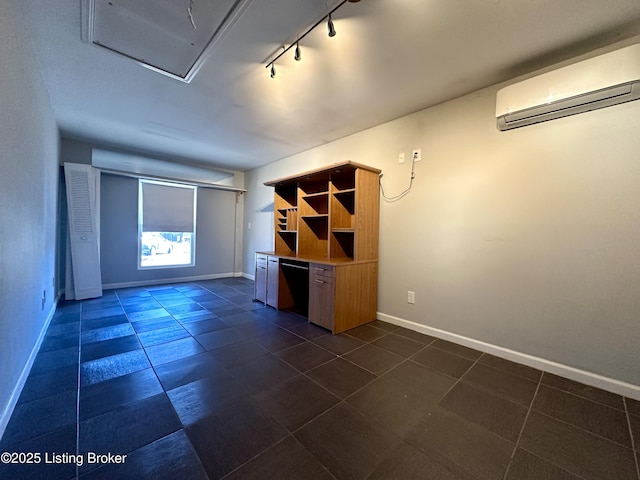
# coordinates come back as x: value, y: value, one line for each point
x: 167, y: 208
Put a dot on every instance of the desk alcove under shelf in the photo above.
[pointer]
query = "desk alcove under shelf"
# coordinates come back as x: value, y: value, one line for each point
x: 325, y: 257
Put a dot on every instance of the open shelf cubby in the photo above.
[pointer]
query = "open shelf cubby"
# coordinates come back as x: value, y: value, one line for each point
x: 286, y: 242
x: 312, y: 186
x: 314, y: 235
x: 327, y: 213
x: 343, y: 210
x: 316, y: 204
x: 342, y: 243
x: 345, y: 179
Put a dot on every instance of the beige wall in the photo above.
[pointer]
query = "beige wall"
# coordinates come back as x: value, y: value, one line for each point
x: 527, y: 240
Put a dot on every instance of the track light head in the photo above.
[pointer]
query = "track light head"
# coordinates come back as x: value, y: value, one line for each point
x: 298, y: 54
x: 332, y: 29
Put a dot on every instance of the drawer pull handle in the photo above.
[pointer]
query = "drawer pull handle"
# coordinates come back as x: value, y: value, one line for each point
x: 320, y: 281
x: 321, y: 269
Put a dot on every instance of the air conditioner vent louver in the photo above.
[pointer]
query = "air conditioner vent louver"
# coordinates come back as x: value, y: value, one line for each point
x: 599, y: 82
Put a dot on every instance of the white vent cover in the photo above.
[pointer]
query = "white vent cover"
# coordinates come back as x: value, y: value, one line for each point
x: 145, y: 167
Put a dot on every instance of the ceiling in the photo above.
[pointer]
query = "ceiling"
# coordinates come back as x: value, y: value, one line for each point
x: 388, y: 59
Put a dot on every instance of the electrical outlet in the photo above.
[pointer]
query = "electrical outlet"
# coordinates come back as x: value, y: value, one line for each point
x: 401, y: 157
x: 44, y: 298
x: 249, y: 225
x: 417, y: 155
x: 411, y: 297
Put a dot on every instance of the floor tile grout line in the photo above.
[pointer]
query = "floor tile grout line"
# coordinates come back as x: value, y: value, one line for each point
x: 226, y: 475
x: 144, y: 349
x: 289, y: 435
x: 524, y: 424
x: 80, y: 381
x: 573, y: 474
x: 433, y: 345
x: 507, y: 372
x: 408, y: 359
x: 324, y: 467
x: 626, y: 447
x: 345, y: 400
x: 253, y: 396
x: 153, y: 367
x: 366, y: 369
x: 340, y: 400
x: 633, y: 444
x: 583, y: 429
x: 459, y: 379
x: 586, y: 398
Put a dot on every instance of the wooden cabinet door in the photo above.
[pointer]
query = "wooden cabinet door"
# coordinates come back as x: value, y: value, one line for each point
x: 273, y: 273
x: 260, y: 282
x: 321, y: 300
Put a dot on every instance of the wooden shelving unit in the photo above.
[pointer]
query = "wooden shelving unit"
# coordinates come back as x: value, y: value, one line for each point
x: 333, y: 213
x: 285, y: 203
x: 328, y: 219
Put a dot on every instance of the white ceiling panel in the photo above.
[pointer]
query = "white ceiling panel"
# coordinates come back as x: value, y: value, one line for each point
x: 169, y: 35
x: 389, y: 58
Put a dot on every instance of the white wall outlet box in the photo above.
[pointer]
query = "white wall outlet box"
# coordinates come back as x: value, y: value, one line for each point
x: 411, y: 297
x: 417, y: 155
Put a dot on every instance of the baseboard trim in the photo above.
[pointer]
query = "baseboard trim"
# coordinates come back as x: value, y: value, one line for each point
x: 588, y: 378
x: 249, y: 277
x: 7, y: 411
x: 164, y: 281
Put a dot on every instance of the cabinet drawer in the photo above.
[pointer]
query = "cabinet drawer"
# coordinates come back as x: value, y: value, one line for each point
x: 261, y: 259
x: 321, y: 280
x: 321, y: 300
x: 260, y: 284
x: 273, y: 274
x: 322, y: 269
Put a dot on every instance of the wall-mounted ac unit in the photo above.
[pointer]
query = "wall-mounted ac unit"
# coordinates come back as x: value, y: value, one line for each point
x: 599, y: 82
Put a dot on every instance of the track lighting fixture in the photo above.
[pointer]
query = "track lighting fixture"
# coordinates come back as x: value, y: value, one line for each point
x: 297, y: 52
x: 332, y: 29
x: 298, y: 55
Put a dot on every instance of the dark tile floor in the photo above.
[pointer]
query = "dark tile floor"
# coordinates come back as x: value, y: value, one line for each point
x: 196, y: 381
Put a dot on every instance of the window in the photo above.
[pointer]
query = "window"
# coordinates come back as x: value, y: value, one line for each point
x: 166, y: 224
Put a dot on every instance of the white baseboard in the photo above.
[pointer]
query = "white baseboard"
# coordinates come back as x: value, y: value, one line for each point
x: 7, y: 411
x: 163, y: 281
x: 588, y: 378
x: 249, y: 277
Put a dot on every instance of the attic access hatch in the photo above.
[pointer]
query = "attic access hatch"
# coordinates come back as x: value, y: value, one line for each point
x: 171, y: 37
